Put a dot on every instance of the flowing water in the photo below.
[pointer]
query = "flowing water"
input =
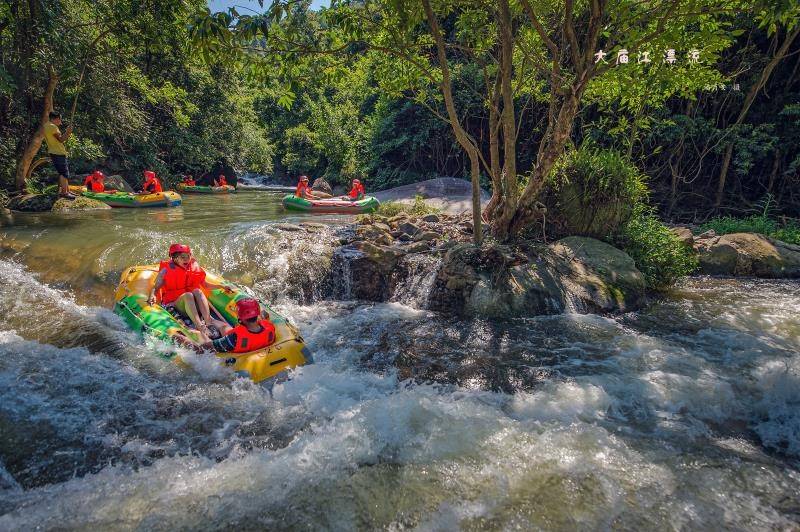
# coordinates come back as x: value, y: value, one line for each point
x: 685, y: 415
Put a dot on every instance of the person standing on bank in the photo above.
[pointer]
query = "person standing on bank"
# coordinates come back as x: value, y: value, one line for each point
x: 58, y: 152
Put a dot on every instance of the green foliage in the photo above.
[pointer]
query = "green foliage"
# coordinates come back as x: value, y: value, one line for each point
x: 418, y: 208
x: 761, y: 223
x: 596, y: 191
x: 657, y: 252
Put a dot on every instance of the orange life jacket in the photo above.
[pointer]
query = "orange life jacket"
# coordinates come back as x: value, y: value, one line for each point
x: 152, y: 186
x: 178, y: 281
x: 247, y: 341
x: 222, y: 182
x: 96, y: 185
x: 356, y: 190
x: 301, y: 190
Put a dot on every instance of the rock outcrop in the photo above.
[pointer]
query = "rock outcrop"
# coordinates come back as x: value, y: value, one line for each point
x: 80, y: 203
x: 577, y: 274
x: 32, y: 202
x: 321, y: 185
x: 747, y: 254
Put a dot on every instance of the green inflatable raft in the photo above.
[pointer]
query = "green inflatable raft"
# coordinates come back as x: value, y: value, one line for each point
x: 200, y: 189
x: 330, y: 206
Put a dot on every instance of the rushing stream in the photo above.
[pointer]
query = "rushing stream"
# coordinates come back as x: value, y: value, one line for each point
x: 683, y: 415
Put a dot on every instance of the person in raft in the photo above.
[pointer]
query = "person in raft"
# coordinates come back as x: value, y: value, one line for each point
x: 151, y: 183
x: 356, y: 193
x: 221, y: 181
x: 95, y: 182
x: 189, y: 181
x: 303, y: 189
x: 178, y: 283
x: 253, y: 332
x: 58, y: 152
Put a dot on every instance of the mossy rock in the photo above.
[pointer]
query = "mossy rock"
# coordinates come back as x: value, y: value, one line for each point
x: 78, y: 204
x: 32, y: 202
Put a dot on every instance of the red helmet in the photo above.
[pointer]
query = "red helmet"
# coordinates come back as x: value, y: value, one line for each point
x: 247, y: 309
x: 179, y: 248
x: 303, y: 178
x: 149, y: 174
x: 356, y: 181
x: 99, y: 175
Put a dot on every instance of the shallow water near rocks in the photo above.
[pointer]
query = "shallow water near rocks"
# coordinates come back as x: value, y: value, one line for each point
x: 683, y: 415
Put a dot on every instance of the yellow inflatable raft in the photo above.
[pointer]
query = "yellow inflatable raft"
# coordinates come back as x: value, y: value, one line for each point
x: 287, y: 352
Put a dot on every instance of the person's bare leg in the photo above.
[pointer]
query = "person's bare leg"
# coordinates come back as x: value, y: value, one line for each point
x: 63, y: 185
x: 205, y: 309
x: 186, y: 305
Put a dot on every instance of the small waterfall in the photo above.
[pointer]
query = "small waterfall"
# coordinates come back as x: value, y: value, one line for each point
x: 417, y: 280
x: 342, y: 273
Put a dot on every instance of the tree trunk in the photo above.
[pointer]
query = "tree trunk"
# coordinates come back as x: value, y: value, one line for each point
x: 35, y: 142
x: 748, y: 101
x: 525, y: 211
x: 510, y: 187
x: 461, y: 135
x: 494, y: 163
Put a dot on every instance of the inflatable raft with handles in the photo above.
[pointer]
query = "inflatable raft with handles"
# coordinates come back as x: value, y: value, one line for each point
x: 287, y: 352
x: 330, y: 206
x: 199, y: 189
x: 131, y: 199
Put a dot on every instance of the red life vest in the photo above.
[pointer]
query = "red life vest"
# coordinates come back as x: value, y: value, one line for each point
x: 178, y: 281
x: 302, y: 189
x: 96, y: 185
x: 356, y: 190
x: 222, y: 182
x: 189, y: 182
x: 247, y: 341
x: 152, y: 186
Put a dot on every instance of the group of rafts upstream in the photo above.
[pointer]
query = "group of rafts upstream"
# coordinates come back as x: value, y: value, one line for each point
x: 131, y: 297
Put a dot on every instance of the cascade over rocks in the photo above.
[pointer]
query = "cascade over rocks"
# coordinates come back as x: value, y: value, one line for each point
x: 575, y: 274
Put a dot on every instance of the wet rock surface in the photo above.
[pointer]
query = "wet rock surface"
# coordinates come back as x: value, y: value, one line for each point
x: 32, y: 202
x: 747, y: 254
x: 79, y: 204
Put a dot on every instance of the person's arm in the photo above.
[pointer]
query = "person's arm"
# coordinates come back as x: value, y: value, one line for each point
x: 62, y: 137
x: 226, y: 344
x: 151, y: 300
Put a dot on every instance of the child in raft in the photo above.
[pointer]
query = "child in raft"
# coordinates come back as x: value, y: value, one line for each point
x: 151, y: 183
x: 357, y: 192
x: 178, y: 283
x: 221, y: 181
x: 94, y: 182
x: 189, y: 181
x: 253, y: 332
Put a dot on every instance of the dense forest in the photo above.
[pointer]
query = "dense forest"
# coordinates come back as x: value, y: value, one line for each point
x: 395, y: 92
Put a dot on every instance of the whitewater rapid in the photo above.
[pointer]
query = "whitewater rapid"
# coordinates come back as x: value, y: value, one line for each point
x: 683, y: 415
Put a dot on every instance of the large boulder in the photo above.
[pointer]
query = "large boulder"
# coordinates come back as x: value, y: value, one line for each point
x: 321, y: 185
x: 367, y: 269
x: 578, y: 274
x: 80, y: 203
x: 748, y: 254
x: 597, y: 276
x: 32, y: 202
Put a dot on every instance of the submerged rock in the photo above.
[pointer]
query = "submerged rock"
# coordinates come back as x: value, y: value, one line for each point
x: 80, y: 203
x: 748, y: 254
x: 32, y: 202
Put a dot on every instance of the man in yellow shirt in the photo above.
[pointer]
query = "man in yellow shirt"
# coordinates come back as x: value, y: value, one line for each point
x: 58, y: 153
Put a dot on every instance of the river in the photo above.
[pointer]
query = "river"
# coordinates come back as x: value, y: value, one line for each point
x: 685, y: 415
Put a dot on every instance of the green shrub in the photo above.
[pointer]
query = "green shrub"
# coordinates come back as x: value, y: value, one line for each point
x: 418, y: 208
x: 657, y: 252
x: 755, y: 224
x: 595, y: 191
